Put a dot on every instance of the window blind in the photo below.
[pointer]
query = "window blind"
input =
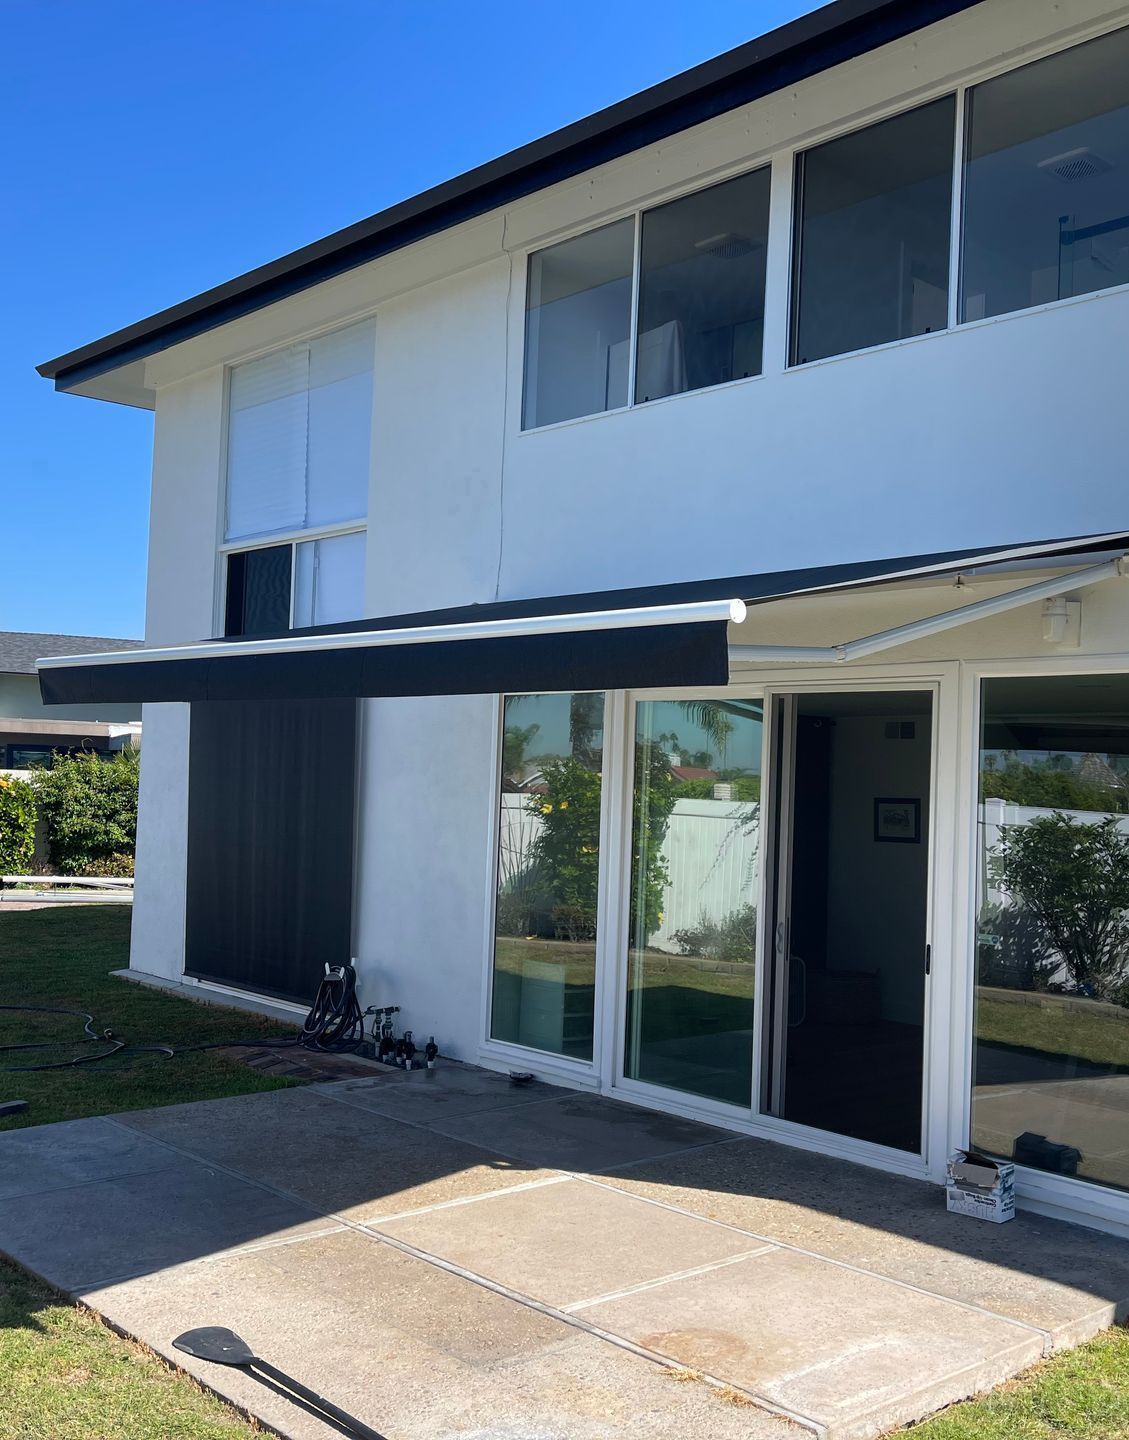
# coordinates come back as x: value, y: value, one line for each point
x: 299, y: 435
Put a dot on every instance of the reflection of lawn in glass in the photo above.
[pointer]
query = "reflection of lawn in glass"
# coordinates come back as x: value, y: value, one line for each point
x: 578, y: 965
x: 1099, y: 1034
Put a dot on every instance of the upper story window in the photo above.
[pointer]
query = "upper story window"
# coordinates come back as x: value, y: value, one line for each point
x: 700, y: 312
x: 1046, y: 194
x: 298, y: 459
x: 873, y: 217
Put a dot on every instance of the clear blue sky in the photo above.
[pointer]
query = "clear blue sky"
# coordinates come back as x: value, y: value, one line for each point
x: 152, y: 148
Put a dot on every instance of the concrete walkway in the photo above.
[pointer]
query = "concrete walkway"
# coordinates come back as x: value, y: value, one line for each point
x: 444, y: 1255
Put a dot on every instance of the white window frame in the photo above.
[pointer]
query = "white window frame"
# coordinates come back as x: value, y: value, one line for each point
x: 780, y: 248
x: 635, y: 215
x: 296, y: 535
x: 1063, y: 1196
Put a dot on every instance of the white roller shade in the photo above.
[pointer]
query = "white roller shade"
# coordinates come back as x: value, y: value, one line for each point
x: 300, y: 434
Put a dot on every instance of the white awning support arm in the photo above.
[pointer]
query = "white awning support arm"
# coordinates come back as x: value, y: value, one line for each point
x: 930, y: 625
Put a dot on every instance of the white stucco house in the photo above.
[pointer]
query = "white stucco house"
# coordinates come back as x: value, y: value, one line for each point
x: 619, y: 595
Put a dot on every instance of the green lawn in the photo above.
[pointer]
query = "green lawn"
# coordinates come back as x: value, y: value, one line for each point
x: 62, y: 956
x: 65, y: 1376
x: 1100, y: 1034
x: 1082, y: 1395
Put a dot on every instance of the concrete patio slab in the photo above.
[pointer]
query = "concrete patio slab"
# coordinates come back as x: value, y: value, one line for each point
x: 835, y: 1345
x: 415, y: 1352
x: 579, y: 1132
x: 563, y: 1242
x: 366, y: 1164
x: 491, y: 1296
x: 450, y: 1089
x: 1064, y: 1279
x: 141, y: 1224
x: 53, y: 1157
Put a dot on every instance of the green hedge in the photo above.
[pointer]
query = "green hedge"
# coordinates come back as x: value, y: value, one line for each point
x: 88, y: 804
x: 17, y: 826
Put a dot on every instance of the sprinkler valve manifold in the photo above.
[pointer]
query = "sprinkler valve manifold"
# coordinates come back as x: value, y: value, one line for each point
x: 398, y: 1050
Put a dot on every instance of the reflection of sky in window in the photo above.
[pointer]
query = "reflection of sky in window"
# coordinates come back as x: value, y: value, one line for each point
x: 669, y: 717
x: 743, y: 744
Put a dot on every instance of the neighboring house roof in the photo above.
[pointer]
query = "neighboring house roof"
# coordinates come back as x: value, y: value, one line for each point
x: 815, y: 42
x: 20, y: 649
x: 692, y: 772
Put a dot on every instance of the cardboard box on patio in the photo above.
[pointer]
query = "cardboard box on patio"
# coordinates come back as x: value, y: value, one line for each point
x: 981, y: 1187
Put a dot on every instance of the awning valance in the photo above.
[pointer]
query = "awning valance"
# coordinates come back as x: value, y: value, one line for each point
x: 589, y: 650
x: 662, y: 635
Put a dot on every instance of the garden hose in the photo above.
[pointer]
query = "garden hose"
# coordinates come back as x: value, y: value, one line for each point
x: 334, y: 1025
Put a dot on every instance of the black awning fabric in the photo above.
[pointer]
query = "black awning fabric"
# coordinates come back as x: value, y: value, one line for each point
x: 685, y: 654
x: 694, y: 653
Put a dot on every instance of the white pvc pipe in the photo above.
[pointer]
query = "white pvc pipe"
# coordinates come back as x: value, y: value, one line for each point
x: 931, y: 624
x: 643, y: 616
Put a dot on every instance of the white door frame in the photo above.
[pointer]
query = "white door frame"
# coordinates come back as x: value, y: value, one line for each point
x: 940, y: 1088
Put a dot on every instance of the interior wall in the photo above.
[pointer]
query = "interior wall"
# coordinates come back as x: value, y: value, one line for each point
x: 877, y: 890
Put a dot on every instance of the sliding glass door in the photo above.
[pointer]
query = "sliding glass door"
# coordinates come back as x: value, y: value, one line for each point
x: 694, y: 888
x: 849, y: 900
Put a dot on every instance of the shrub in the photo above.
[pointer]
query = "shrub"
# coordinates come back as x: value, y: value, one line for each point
x: 17, y: 826
x: 1073, y: 879
x: 733, y: 937
x: 89, y: 807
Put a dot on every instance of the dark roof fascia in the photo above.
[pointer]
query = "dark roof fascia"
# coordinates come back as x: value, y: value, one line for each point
x: 829, y: 36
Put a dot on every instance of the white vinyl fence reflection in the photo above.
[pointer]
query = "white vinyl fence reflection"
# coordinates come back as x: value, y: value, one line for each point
x: 711, y: 851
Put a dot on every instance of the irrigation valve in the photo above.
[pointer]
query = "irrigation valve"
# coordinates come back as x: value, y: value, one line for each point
x: 401, y: 1051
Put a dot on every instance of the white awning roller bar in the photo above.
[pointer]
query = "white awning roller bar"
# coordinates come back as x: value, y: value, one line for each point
x: 733, y: 611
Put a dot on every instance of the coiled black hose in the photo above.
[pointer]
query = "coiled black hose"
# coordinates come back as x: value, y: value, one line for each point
x: 335, y: 1025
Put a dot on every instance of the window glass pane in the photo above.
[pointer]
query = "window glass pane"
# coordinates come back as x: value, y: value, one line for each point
x: 577, y: 325
x: 548, y: 867
x: 1051, y: 1060
x: 340, y: 438
x: 872, y: 234
x: 1046, y: 211
x: 701, y: 288
x: 266, y: 444
x: 329, y: 580
x: 258, y: 591
x: 694, y: 866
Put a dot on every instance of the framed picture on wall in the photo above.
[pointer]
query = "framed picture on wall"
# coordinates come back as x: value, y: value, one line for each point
x: 898, y: 821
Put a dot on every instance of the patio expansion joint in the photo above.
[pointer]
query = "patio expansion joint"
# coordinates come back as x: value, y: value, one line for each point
x: 81, y: 1184
x: 670, y: 1279
x: 376, y: 1237
x: 1046, y: 1336
x: 577, y: 1322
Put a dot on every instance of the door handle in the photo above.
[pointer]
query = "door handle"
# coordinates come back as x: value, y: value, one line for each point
x: 928, y: 959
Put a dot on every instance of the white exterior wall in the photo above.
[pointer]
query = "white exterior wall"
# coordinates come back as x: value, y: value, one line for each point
x: 1005, y: 430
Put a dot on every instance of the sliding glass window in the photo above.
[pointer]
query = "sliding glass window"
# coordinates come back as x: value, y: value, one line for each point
x: 577, y: 323
x: 872, y: 234
x: 701, y: 288
x: 1046, y: 210
x: 548, y: 872
x: 1051, y: 1059
x: 701, y: 305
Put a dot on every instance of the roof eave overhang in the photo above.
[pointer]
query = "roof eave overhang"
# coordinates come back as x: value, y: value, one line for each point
x: 829, y: 36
